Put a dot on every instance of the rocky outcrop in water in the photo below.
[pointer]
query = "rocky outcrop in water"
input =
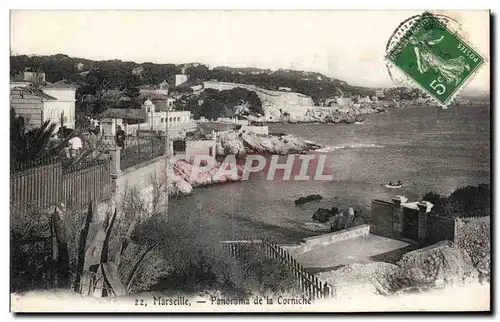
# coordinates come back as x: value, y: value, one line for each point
x: 323, y: 215
x: 303, y: 200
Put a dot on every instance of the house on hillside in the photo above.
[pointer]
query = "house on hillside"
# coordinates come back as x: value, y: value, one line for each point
x: 160, y: 89
x: 137, y: 70
x: 284, y: 89
x: 34, y: 106
x: 65, y: 103
x: 149, y: 117
x: 159, y: 118
x: 194, y: 84
x: 180, y: 79
x: 380, y: 93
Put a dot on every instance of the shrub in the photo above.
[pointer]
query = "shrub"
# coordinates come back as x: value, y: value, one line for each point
x: 29, y: 254
x: 469, y: 201
x: 178, y: 257
x: 474, y: 236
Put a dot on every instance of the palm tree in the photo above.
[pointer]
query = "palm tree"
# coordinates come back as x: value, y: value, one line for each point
x: 33, y: 145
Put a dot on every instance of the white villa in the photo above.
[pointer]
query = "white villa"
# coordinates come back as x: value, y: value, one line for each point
x: 54, y: 102
x: 159, y: 120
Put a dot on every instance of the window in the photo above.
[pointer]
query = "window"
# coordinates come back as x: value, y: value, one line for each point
x: 169, y: 119
x: 162, y: 120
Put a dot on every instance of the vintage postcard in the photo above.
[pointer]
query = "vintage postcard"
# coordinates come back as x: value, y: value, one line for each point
x: 250, y: 161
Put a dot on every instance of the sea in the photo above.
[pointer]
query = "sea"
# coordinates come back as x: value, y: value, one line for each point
x: 427, y: 148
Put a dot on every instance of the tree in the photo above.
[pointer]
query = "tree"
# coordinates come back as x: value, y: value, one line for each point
x: 35, y: 144
x: 197, y: 72
x: 102, y: 90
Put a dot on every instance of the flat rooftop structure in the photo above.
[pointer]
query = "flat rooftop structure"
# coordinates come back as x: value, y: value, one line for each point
x: 350, y: 246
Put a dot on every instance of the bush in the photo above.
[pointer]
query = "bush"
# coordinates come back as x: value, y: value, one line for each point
x: 474, y: 236
x: 29, y: 252
x: 215, y: 270
x: 178, y: 259
x: 469, y: 201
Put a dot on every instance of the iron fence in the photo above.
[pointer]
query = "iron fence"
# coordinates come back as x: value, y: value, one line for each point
x: 309, y: 284
x: 141, y: 150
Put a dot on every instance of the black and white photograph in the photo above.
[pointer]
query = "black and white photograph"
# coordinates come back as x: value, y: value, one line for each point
x: 176, y: 161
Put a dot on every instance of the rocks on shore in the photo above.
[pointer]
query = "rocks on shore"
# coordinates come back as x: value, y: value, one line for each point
x: 303, y: 200
x: 232, y: 143
x: 188, y: 176
x: 347, y: 115
x: 338, y: 219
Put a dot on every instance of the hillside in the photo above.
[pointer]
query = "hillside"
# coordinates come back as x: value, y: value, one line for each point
x: 60, y: 66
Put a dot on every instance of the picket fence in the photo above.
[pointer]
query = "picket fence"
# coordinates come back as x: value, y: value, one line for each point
x: 47, y: 184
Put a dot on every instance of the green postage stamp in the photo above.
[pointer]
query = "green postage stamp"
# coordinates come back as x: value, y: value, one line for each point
x: 438, y: 60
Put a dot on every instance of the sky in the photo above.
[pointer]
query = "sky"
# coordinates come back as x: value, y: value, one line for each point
x: 348, y: 45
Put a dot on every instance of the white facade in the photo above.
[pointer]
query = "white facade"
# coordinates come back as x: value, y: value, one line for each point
x: 109, y: 125
x: 161, y: 120
x: 180, y: 79
x: 64, y: 107
x: 380, y: 93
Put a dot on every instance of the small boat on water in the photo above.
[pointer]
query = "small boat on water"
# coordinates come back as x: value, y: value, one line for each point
x: 391, y: 185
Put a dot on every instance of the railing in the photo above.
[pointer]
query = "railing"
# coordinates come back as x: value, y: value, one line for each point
x: 46, y: 185
x: 309, y: 284
x: 138, y: 152
x: 86, y: 181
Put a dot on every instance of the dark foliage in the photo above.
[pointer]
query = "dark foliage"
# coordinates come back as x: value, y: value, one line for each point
x: 469, y: 201
x: 35, y: 144
x: 222, y: 103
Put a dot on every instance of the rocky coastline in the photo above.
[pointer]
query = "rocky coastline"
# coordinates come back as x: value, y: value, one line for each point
x: 353, y: 113
x: 188, y: 176
x: 238, y: 144
x: 350, y: 115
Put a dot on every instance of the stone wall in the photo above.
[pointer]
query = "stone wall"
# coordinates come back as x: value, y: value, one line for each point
x: 440, y: 228
x: 410, y: 220
x: 326, y: 239
x: 200, y: 147
x: 381, y: 218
